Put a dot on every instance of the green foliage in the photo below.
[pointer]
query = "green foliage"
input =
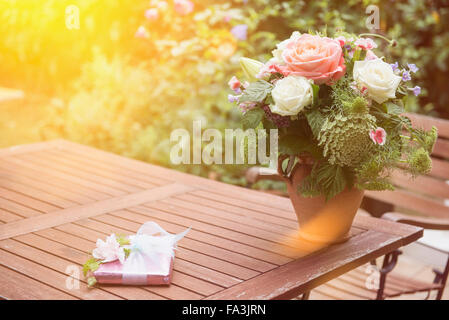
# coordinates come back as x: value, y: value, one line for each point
x: 91, y: 265
x: 324, y: 179
x: 126, y: 95
x: 315, y: 120
x: 316, y: 91
x: 373, y: 174
x: 358, y: 105
x: 430, y: 139
x: 292, y: 144
x: 91, y: 281
x: 39, y: 54
x: 122, y: 239
x: 394, y: 108
x: 127, y: 252
x: 252, y: 118
x: 425, y: 139
x: 419, y: 162
x: 347, y: 99
x: 345, y: 139
x: 378, y: 185
x: 257, y: 91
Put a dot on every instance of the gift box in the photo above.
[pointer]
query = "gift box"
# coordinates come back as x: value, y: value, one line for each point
x: 156, y: 271
x: 145, y: 258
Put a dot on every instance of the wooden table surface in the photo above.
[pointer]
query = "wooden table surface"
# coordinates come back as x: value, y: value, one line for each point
x: 57, y: 198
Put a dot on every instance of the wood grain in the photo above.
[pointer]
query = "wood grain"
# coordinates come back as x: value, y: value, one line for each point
x: 57, y: 198
x: 84, y: 211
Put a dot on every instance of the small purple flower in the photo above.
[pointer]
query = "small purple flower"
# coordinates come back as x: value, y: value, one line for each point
x: 406, y: 76
x: 240, y: 31
x: 394, y: 66
x: 351, y: 53
x: 412, y: 67
x: 416, y: 90
x: 347, y: 47
x: 232, y: 98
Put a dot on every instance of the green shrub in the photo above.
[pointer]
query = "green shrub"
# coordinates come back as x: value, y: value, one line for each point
x: 126, y: 95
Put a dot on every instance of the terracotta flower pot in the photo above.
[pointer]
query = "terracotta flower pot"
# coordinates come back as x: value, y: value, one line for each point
x: 320, y: 220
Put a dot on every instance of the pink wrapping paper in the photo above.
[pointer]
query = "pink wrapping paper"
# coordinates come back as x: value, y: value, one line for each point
x: 156, y: 272
x: 149, y: 260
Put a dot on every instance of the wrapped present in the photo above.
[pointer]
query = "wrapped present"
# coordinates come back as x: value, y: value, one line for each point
x: 145, y: 258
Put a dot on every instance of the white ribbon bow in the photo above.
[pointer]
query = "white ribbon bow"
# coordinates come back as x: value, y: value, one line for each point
x: 147, y: 247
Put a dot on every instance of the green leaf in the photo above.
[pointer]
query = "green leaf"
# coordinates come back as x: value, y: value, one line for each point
x: 332, y: 178
x: 268, y: 124
x: 293, y: 144
x: 122, y: 239
x: 315, y: 120
x: 393, y: 108
x: 252, y: 118
x: 316, y: 90
x: 91, y: 265
x: 256, y: 92
x: 356, y: 56
x: 325, y: 179
x: 91, y: 281
x: 269, y: 99
x: 127, y: 252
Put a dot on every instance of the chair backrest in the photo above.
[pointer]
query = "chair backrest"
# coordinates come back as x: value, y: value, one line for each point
x: 426, y: 195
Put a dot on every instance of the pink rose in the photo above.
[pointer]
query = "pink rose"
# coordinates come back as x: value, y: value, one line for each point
x: 314, y: 57
x: 268, y: 69
x: 379, y: 136
x: 183, y: 7
x: 341, y: 40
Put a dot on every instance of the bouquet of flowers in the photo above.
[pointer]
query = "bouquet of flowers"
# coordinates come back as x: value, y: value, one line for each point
x: 335, y: 101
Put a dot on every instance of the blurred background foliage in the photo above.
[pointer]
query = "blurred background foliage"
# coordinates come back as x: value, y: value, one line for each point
x: 128, y: 76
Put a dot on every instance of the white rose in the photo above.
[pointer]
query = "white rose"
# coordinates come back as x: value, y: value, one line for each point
x: 291, y: 95
x: 378, y: 78
x: 277, y: 53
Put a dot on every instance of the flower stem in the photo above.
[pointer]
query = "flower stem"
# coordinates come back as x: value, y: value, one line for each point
x: 392, y: 42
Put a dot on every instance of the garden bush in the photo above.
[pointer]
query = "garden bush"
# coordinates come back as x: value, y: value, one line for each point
x: 125, y: 91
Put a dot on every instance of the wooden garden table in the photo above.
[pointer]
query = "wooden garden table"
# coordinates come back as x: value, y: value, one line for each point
x: 57, y: 198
